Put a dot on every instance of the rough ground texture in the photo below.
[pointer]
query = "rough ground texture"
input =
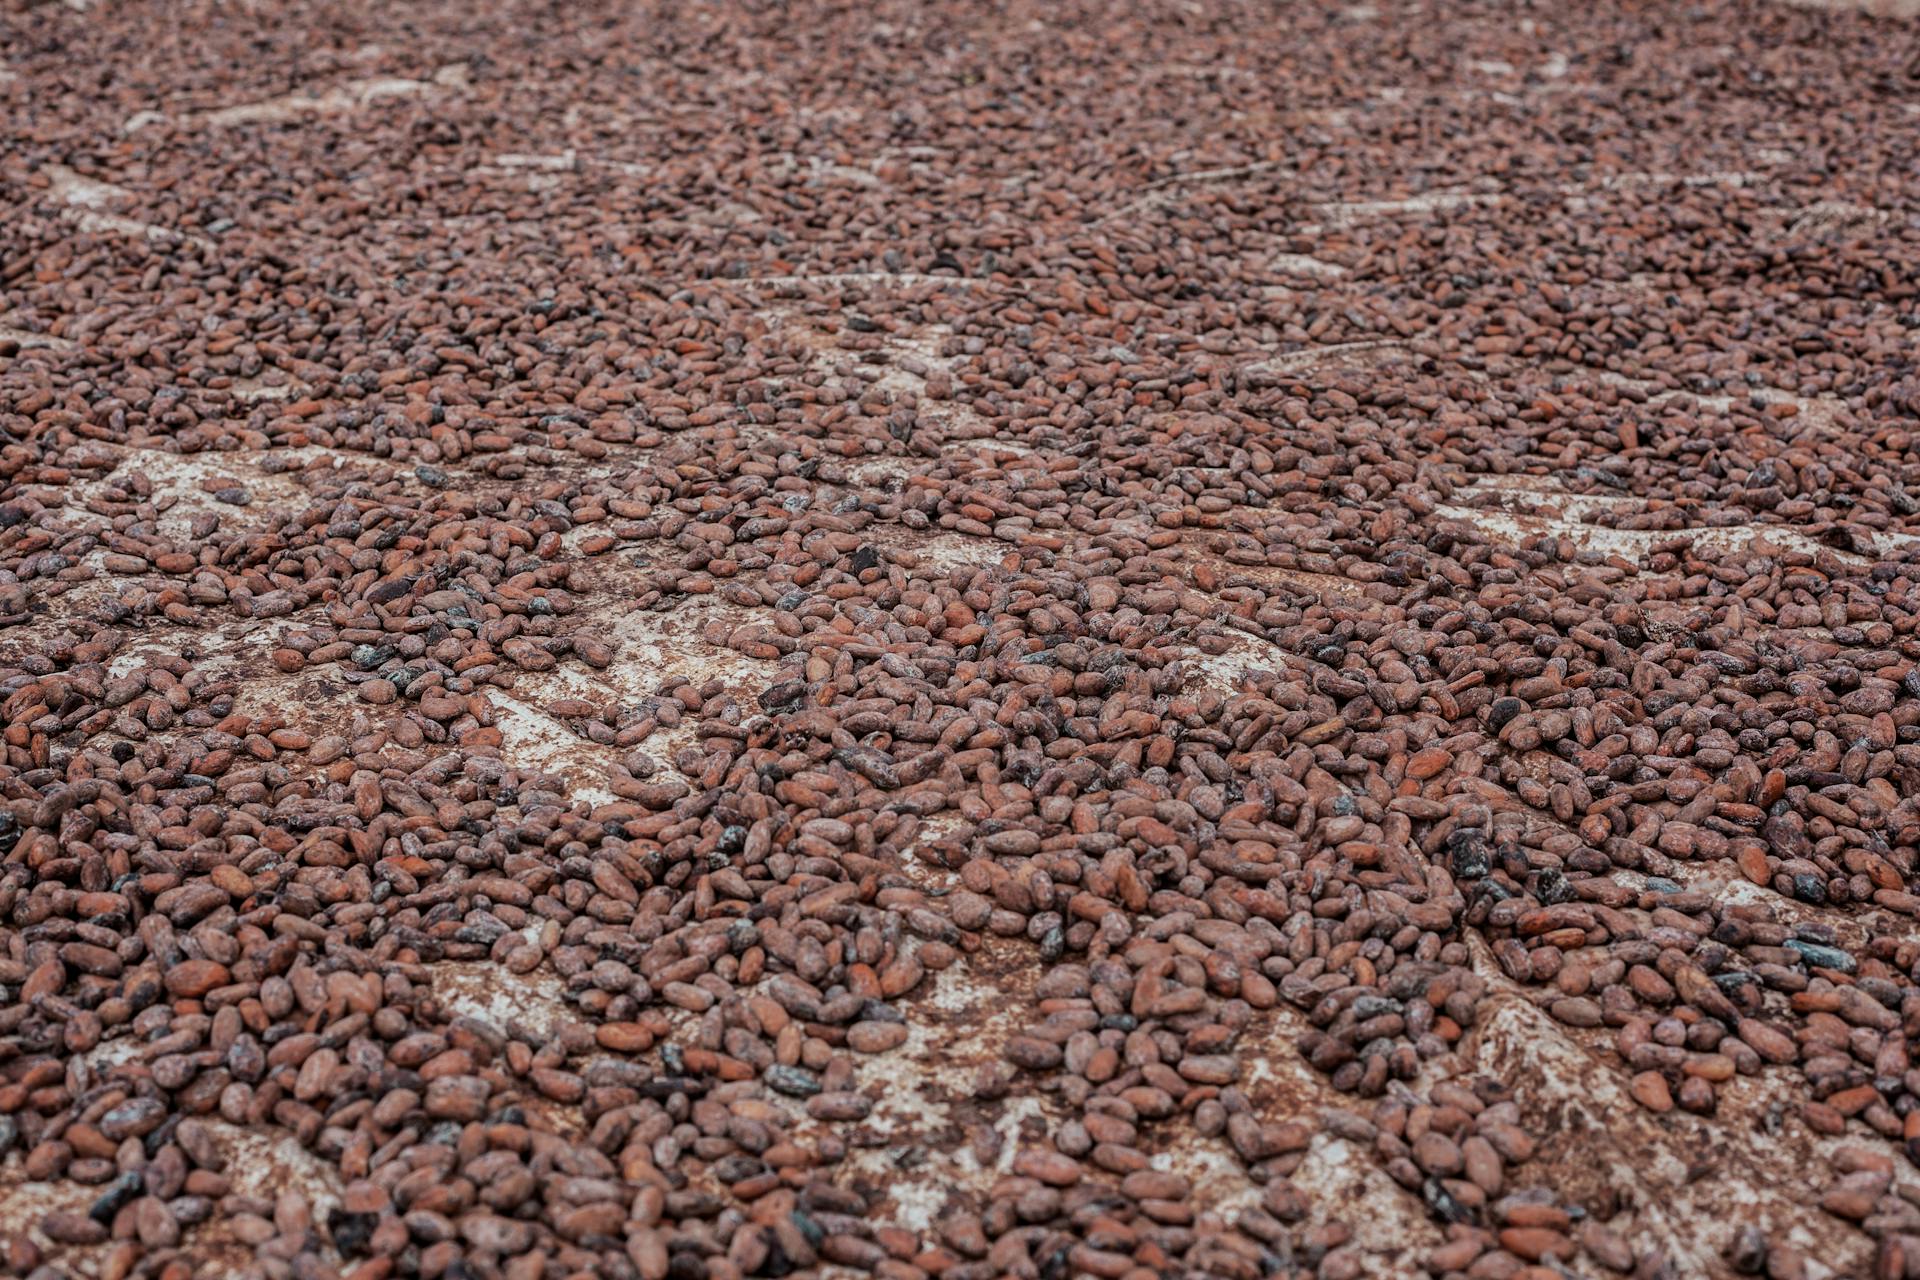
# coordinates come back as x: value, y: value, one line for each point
x: 1180, y: 639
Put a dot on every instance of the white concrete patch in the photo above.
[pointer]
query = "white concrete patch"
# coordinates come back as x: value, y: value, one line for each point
x: 921, y: 869
x: 1224, y: 173
x: 266, y: 1163
x: 1305, y: 582
x: 882, y: 279
x: 1575, y: 506
x: 83, y: 198
x: 1812, y: 408
x: 1225, y: 673
x: 655, y: 647
x: 1161, y: 191
x: 1371, y: 1204
x: 880, y: 473
x: 565, y: 162
x: 650, y: 648
x: 1634, y: 544
x: 1722, y: 880
x: 76, y: 189
x: 1341, y: 1181
x: 1829, y: 217
x: 27, y: 341
x: 183, y: 487
x: 980, y: 440
x: 114, y: 224
x: 265, y: 1166
x: 1220, y: 1182
x: 1341, y: 213
x: 1363, y: 354
x: 24, y: 1203
x: 109, y: 1054
x: 255, y: 390
x: 1299, y: 264
x: 1713, y: 178
x: 534, y: 1003
x: 353, y: 95
x: 819, y: 171
x: 955, y: 551
x: 1585, y: 197
x: 922, y: 1087
x: 1876, y: 8
x: 909, y: 360
x: 1544, y: 509
x: 534, y: 738
x: 1678, y: 1181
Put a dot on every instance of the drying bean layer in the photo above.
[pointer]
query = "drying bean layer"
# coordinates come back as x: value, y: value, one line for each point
x: 1032, y: 640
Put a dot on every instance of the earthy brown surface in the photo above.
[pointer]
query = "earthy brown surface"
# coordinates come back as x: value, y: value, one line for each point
x: 1164, y: 640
